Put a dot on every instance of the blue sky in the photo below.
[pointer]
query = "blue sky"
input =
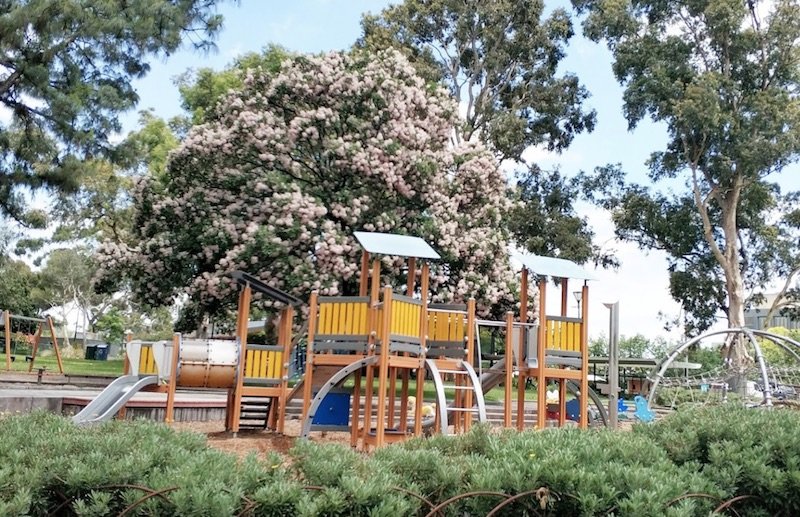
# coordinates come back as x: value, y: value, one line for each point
x: 321, y: 25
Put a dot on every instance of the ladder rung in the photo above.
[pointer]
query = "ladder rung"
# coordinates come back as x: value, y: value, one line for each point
x: 454, y: 387
x: 463, y: 409
x: 457, y: 372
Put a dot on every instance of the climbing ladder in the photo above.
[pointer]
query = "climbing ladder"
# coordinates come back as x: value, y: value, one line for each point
x: 467, y: 401
x: 254, y: 412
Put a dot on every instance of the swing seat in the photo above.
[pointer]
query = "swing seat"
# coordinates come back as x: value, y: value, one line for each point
x: 28, y: 358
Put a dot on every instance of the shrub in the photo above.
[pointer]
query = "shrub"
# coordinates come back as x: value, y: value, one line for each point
x: 715, y: 453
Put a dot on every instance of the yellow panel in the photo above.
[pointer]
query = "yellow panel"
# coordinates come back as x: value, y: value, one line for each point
x: 433, y: 325
x: 571, y: 336
x: 335, y: 327
x: 352, y: 318
x: 322, y: 322
x: 357, y: 315
x: 151, y: 362
x: 143, y: 359
x: 343, y: 323
x: 261, y: 364
x: 363, y: 318
x: 248, y: 363
x: 578, y: 334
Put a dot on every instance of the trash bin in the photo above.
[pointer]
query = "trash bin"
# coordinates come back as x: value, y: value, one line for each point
x: 101, y: 354
x: 91, y: 352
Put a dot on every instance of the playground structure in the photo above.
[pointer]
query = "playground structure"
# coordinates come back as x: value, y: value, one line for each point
x: 254, y: 376
x: 347, y: 336
x: 364, y: 352
x: 758, y: 383
x: 14, y: 326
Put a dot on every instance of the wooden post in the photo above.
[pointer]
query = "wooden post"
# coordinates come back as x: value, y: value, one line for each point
x: 470, y: 357
x: 308, y: 378
x: 423, y: 341
x: 384, y: 366
x: 7, y: 327
x: 509, y: 368
x: 392, y: 397
x: 375, y: 331
x: 354, y: 419
x: 55, y: 345
x: 169, y: 416
x: 562, y: 383
x: 584, y: 405
x: 126, y: 364
x: 287, y: 320
x: 126, y: 370
x: 241, y: 337
x: 411, y: 281
x: 541, y: 380
x: 36, y: 338
x: 404, y: 400
x: 363, y: 279
x: 522, y: 368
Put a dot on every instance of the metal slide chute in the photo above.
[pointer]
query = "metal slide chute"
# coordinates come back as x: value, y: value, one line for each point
x: 113, y: 398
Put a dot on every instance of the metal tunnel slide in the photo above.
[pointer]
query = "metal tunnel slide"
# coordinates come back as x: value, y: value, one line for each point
x: 113, y: 398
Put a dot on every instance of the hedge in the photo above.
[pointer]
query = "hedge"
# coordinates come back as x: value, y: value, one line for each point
x: 692, y: 463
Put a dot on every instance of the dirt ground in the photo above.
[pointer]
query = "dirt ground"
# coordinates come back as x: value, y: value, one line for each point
x: 260, y: 442
x: 264, y: 442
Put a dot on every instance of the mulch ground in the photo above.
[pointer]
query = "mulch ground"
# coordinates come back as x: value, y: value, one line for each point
x: 260, y: 442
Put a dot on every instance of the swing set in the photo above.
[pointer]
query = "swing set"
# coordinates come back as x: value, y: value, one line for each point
x: 27, y: 331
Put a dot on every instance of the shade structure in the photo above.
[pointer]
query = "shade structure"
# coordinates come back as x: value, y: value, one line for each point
x: 553, y: 267
x: 395, y: 245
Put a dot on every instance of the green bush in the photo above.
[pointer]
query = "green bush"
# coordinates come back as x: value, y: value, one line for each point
x: 687, y: 464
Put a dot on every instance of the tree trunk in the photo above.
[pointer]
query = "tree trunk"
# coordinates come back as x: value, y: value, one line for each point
x: 740, y: 359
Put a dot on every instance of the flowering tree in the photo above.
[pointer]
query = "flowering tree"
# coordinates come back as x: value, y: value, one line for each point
x: 292, y: 164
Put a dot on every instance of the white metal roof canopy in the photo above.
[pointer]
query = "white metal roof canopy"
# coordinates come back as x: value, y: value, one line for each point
x: 553, y: 267
x: 395, y: 245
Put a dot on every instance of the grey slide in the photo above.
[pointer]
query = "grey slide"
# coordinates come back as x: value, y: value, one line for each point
x: 111, y: 399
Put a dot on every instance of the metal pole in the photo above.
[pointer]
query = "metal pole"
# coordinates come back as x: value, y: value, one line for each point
x: 613, y: 362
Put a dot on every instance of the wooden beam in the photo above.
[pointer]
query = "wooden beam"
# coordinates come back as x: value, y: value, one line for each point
x: 169, y: 416
x: 241, y: 336
x: 36, y: 338
x: 564, y: 294
x: 363, y: 278
x: 55, y: 345
x: 384, y: 367
x: 470, y: 358
x: 308, y: 379
x: 411, y: 281
x: 509, y: 359
x: 7, y: 328
x: 541, y: 380
x: 523, y: 296
x: 584, y: 405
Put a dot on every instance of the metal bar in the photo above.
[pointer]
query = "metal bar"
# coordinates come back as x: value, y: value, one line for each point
x: 613, y: 362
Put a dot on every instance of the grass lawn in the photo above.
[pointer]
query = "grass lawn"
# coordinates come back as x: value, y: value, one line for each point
x: 112, y: 367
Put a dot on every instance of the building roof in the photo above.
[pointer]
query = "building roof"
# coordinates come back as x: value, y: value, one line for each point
x: 395, y: 245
